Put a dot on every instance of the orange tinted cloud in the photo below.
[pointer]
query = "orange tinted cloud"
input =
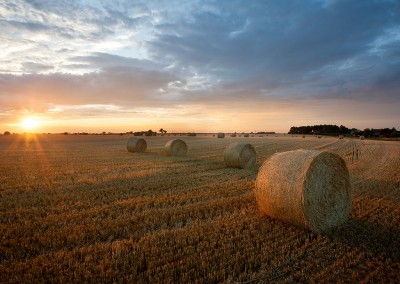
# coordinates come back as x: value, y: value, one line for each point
x: 201, y: 65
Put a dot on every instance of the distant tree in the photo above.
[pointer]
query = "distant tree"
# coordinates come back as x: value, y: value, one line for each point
x: 319, y: 129
x: 354, y: 131
x: 266, y: 132
x: 150, y: 133
x: 343, y: 130
x: 367, y: 132
x: 65, y: 133
x: 386, y: 132
x: 7, y: 133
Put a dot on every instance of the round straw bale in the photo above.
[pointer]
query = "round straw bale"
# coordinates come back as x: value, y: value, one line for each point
x: 221, y: 135
x: 307, y: 188
x: 176, y: 147
x: 136, y: 144
x: 240, y: 155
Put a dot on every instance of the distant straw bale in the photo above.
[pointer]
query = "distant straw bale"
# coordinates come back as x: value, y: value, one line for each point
x: 176, y: 147
x: 240, y: 155
x: 221, y: 135
x: 246, y: 135
x: 307, y: 188
x: 136, y: 144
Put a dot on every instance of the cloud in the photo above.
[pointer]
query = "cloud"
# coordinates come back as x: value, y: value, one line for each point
x: 103, y: 61
x: 280, y: 43
x: 37, y: 30
x: 122, y: 85
x: 33, y: 67
x: 210, y: 55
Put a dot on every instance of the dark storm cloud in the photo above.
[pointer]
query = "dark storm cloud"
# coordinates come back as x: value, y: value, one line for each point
x: 278, y: 42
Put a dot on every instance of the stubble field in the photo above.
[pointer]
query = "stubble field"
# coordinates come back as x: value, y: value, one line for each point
x: 83, y: 209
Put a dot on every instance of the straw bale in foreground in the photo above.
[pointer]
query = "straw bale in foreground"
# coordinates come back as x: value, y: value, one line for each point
x: 307, y: 188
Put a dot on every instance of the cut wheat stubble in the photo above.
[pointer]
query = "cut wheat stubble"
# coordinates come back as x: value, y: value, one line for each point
x: 306, y: 188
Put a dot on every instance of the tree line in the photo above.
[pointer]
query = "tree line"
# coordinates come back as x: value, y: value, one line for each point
x: 329, y: 129
x: 326, y: 129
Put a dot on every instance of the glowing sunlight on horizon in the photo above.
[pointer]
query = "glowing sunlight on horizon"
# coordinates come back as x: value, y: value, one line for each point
x: 30, y: 123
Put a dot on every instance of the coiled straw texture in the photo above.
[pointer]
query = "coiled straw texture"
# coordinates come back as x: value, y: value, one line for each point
x: 176, y: 147
x: 240, y: 155
x: 136, y: 144
x: 306, y: 188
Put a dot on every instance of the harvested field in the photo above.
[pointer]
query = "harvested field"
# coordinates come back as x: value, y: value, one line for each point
x: 83, y: 209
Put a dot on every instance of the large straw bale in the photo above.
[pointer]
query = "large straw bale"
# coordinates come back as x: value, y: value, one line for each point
x: 307, y: 188
x: 221, y: 135
x: 240, y: 155
x: 176, y: 147
x: 136, y: 144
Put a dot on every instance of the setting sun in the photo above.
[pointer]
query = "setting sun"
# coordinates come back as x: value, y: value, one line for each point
x: 30, y: 123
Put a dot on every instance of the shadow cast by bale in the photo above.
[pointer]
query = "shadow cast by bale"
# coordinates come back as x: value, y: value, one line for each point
x: 375, y: 238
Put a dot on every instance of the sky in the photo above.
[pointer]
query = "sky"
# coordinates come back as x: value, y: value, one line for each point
x: 198, y: 66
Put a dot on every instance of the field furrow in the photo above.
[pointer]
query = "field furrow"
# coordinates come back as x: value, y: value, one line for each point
x: 83, y: 209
